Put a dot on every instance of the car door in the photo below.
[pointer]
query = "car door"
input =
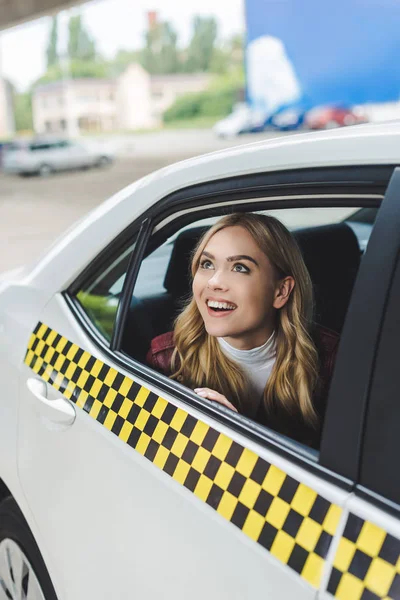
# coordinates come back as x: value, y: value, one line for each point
x: 53, y: 154
x: 365, y: 562
x: 77, y: 156
x: 139, y: 487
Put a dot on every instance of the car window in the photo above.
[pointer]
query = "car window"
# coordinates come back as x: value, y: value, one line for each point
x: 41, y: 147
x: 330, y: 248
x: 100, y: 294
x: 152, y: 273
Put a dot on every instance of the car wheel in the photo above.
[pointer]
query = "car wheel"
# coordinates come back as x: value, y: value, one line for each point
x: 103, y: 161
x: 23, y: 573
x: 331, y: 124
x: 45, y: 170
x: 349, y: 120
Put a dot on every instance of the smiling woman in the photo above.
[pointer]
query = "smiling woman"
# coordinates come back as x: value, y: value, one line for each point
x: 246, y: 338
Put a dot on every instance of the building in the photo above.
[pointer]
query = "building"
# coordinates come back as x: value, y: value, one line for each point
x: 7, y: 124
x: 134, y: 100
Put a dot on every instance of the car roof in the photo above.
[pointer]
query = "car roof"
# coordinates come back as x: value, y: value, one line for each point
x: 358, y: 145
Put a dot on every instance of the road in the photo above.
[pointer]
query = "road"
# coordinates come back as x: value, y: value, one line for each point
x: 34, y: 211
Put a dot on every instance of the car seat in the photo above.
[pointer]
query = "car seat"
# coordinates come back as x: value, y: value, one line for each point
x: 332, y: 256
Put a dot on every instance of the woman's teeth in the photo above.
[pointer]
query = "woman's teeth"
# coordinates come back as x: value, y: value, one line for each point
x: 220, y: 305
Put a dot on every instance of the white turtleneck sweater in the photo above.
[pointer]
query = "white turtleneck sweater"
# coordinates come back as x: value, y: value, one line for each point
x: 257, y: 363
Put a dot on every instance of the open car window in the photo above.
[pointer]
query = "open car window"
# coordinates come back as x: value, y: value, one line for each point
x: 327, y: 237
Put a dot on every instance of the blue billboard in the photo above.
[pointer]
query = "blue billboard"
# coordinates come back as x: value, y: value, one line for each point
x: 322, y: 52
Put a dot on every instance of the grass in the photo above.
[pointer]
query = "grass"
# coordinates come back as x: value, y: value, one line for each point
x: 195, y: 123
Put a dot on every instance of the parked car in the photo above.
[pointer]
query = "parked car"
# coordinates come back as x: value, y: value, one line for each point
x: 45, y: 156
x: 243, y: 119
x: 116, y: 481
x: 287, y: 118
x: 329, y: 117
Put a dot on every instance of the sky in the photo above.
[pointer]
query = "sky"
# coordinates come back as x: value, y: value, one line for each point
x: 115, y: 24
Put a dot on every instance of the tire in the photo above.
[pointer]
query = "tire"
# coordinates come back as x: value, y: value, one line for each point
x: 45, y: 170
x: 103, y: 161
x: 331, y: 124
x: 18, y: 546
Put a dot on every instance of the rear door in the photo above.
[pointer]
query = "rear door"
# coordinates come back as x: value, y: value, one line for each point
x: 365, y: 559
x: 139, y: 487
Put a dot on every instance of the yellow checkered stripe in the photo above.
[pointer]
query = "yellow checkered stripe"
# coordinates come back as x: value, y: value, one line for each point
x: 287, y: 518
x: 366, y: 564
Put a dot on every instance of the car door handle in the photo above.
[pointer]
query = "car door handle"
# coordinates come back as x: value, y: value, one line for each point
x: 58, y: 411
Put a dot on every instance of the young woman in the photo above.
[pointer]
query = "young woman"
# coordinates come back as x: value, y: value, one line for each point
x: 246, y: 337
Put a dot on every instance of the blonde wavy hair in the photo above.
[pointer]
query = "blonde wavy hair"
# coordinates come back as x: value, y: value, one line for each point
x: 198, y: 360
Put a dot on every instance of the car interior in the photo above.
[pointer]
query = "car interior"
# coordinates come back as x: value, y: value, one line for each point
x: 331, y: 252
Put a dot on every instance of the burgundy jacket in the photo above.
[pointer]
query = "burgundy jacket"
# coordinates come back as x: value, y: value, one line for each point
x: 292, y: 425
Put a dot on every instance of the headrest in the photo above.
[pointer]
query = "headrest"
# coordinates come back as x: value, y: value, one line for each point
x: 332, y: 256
x: 329, y: 251
x: 177, y: 278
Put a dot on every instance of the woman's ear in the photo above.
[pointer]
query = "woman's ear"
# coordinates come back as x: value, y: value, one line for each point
x: 283, y: 290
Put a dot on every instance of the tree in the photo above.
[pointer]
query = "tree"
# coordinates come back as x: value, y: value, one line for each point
x: 122, y: 60
x: 160, y: 54
x: 228, y: 56
x: 76, y: 69
x: 201, y: 48
x: 51, y: 52
x: 81, y: 46
x: 23, y: 111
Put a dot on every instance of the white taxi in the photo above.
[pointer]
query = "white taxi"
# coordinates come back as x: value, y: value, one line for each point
x: 117, y: 482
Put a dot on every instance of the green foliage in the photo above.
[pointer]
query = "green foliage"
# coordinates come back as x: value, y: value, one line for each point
x: 80, y: 45
x: 202, y: 45
x: 217, y: 101
x: 51, y: 52
x: 122, y: 60
x: 76, y: 69
x: 23, y: 111
x: 160, y: 54
x: 101, y: 310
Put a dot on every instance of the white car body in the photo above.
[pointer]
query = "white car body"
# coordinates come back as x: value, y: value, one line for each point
x: 110, y: 523
x: 45, y: 156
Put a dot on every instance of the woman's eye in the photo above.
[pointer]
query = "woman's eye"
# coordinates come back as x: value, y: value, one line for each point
x: 240, y: 268
x: 206, y: 264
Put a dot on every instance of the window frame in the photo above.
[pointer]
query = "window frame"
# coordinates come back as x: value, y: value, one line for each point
x: 365, y: 184
x: 354, y: 370
x: 383, y: 379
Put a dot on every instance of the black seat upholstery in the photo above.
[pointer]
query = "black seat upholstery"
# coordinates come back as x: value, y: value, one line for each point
x: 177, y: 280
x: 332, y: 256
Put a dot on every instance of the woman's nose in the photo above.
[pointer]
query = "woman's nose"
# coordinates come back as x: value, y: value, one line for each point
x: 217, y: 281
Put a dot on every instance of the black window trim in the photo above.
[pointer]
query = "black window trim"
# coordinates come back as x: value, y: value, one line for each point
x: 129, y: 283
x: 341, y: 180
x: 377, y: 500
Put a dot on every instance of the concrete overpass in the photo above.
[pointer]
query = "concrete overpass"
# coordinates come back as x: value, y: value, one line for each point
x: 15, y: 12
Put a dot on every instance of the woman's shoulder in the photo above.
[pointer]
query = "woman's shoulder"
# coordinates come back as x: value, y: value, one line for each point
x: 163, y: 342
x: 161, y: 350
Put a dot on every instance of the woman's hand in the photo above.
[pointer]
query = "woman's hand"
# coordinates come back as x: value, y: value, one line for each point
x: 212, y: 395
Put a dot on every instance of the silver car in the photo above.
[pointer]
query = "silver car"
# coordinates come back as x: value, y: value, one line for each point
x: 44, y: 156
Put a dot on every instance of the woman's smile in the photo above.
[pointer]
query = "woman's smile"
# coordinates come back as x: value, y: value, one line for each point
x: 220, y: 308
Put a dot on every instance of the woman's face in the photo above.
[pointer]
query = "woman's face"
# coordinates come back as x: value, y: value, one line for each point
x: 235, y: 289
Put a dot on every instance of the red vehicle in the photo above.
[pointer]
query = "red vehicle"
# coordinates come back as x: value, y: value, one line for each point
x: 328, y: 117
